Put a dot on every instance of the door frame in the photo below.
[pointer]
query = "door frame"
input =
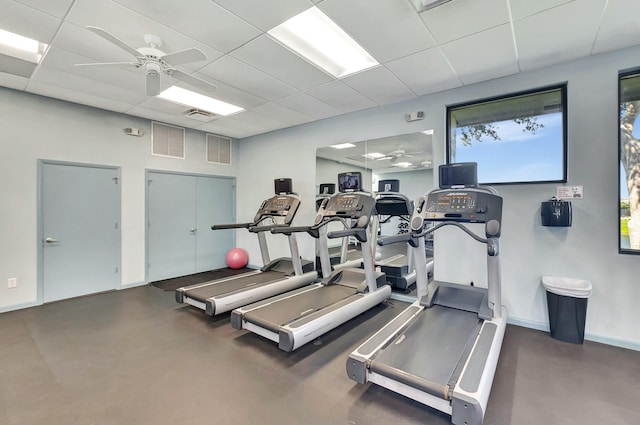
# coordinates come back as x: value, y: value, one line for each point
x: 147, y: 171
x: 40, y: 218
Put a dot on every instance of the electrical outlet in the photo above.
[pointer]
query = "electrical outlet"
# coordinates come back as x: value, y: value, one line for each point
x: 12, y: 282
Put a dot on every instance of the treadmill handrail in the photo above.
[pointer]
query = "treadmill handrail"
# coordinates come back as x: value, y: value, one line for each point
x: 450, y: 223
x: 232, y: 226
x: 359, y: 233
x: 267, y: 228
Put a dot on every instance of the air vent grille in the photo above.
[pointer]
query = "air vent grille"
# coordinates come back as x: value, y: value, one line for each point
x: 200, y: 115
x: 167, y: 140
x: 218, y: 149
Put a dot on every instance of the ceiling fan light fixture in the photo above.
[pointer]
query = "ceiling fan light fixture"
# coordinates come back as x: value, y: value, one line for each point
x: 316, y: 38
x: 192, y: 99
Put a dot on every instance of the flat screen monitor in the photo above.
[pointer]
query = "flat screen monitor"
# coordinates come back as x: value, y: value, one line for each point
x: 327, y: 188
x: 461, y: 174
x: 283, y: 186
x: 350, y: 182
x: 389, y: 185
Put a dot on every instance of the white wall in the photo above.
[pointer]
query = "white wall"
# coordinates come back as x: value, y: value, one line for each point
x: 587, y: 250
x: 35, y: 127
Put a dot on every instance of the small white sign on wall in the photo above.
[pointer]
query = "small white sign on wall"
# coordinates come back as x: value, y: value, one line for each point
x: 569, y: 192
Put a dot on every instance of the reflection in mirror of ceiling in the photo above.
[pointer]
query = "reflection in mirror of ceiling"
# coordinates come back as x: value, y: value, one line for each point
x: 403, y: 152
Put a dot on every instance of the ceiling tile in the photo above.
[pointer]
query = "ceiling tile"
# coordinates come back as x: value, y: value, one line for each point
x: 75, y: 96
x: 569, y: 33
x: 202, y: 20
x: 523, y: 8
x: 277, y: 111
x: 308, y: 105
x: 369, y: 24
x: 229, y: 94
x: 57, y: 8
x: 23, y: 20
x: 462, y: 18
x: 379, y: 85
x: 238, y: 74
x: 425, y: 72
x: 340, y: 96
x: 267, y: 55
x: 483, y: 56
x: 238, y: 127
x: 13, y: 81
x: 620, y: 26
x: 263, y: 14
x: 91, y: 87
x: 167, y: 118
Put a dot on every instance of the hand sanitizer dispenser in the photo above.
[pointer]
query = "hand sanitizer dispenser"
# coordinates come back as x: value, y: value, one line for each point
x: 556, y: 212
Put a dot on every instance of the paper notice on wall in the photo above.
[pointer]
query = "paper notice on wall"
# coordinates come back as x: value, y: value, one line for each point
x: 569, y: 192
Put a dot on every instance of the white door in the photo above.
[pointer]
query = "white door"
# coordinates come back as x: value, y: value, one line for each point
x: 81, y: 238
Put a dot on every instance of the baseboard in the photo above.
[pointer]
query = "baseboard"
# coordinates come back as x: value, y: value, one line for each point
x: 18, y: 307
x: 587, y: 336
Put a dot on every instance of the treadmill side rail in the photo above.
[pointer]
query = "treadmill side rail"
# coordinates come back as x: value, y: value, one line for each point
x: 477, y: 400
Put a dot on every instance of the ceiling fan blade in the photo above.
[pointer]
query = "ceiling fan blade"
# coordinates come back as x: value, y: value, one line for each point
x: 184, y: 56
x: 114, y: 64
x: 395, y: 159
x: 190, y: 79
x: 153, y: 83
x: 115, y: 40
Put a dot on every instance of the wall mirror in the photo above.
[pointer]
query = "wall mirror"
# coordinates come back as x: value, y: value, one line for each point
x: 406, y: 157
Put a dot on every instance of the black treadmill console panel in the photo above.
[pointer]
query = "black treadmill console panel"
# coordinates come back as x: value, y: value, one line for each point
x: 279, y: 206
x: 348, y: 205
x: 459, y: 205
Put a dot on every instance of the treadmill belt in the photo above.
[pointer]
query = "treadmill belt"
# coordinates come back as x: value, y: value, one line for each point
x: 426, y: 354
x: 193, y: 279
x: 280, y: 313
x: 205, y: 292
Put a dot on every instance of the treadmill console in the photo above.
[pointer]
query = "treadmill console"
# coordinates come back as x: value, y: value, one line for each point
x: 279, y: 206
x: 458, y: 205
x: 347, y: 205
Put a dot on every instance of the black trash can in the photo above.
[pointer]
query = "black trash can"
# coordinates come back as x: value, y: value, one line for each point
x: 567, y: 303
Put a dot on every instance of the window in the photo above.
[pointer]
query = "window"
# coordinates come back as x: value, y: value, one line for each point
x: 629, y: 164
x: 520, y: 138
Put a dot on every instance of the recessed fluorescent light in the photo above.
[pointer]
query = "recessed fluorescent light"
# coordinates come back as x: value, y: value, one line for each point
x: 402, y: 164
x: 314, y: 36
x: 343, y: 146
x: 189, y: 98
x: 21, y: 47
x: 374, y: 155
x: 428, y: 132
x: 422, y: 5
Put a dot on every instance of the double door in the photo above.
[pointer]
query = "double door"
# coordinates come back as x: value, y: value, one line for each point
x: 180, y: 211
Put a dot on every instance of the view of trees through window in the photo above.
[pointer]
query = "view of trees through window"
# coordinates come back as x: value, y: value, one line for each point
x: 519, y: 138
x: 629, y: 155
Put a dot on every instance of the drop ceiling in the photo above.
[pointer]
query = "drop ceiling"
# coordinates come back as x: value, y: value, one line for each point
x: 458, y: 43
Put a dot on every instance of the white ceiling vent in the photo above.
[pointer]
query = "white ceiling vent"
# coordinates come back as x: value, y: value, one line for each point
x: 218, y: 149
x: 167, y: 140
x: 200, y: 115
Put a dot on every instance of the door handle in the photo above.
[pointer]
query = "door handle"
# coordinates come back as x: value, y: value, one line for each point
x: 193, y: 230
x: 51, y: 240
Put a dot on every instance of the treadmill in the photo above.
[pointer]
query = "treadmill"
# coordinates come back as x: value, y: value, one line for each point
x: 398, y: 266
x: 443, y: 349
x: 275, y: 277
x: 298, y: 317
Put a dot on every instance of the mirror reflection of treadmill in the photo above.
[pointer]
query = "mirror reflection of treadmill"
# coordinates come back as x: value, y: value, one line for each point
x: 443, y: 349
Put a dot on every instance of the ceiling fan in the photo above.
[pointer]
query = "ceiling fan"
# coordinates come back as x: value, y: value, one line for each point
x: 155, y: 61
x: 398, y: 154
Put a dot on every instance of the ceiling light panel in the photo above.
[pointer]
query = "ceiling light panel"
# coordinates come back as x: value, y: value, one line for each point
x: 21, y: 47
x: 188, y: 98
x: 314, y: 36
x: 343, y: 146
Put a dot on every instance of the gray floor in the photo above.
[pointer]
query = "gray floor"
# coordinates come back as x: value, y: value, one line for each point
x: 137, y: 357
